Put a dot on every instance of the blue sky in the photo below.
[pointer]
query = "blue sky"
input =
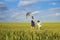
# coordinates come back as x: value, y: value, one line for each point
x: 43, y: 10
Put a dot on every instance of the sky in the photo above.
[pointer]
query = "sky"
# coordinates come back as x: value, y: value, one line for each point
x: 43, y: 10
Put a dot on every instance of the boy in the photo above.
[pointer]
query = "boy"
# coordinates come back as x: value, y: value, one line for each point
x: 39, y: 24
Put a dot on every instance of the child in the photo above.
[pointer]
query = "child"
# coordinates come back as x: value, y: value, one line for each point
x: 32, y: 22
x: 39, y: 24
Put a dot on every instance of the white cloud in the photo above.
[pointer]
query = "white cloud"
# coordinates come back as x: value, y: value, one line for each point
x: 54, y: 9
x: 39, y: 0
x: 24, y: 3
x: 35, y: 12
x: 53, y: 3
x: 2, y: 16
x: 56, y: 14
x: 1, y: 4
x: 52, y: 15
x: 28, y: 2
x: 3, y: 7
x: 52, y: 12
x: 15, y: 13
x: 11, y: 0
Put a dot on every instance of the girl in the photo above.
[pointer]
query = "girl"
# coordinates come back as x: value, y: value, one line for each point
x: 32, y: 23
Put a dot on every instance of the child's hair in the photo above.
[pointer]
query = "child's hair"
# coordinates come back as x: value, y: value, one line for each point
x: 38, y: 21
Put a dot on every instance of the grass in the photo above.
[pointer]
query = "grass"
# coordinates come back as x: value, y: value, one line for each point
x: 23, y: 31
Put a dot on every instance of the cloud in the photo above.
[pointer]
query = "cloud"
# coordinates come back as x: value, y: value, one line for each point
x: 15, y: 13
x: 1, y: 4
x: 51, y: 15
x: 2, y: 16
x: 35, y: 12
x: 52, y: 12
x: 3, y: 12
x: 40, y: 0
x: 11, y: 0
x: 24, y: 3
x: 53, y: 3
x: 3, y: 7
x: 28, y: 2
x: 54, y: 9
x: 18, y: 15
x: 56, y: 14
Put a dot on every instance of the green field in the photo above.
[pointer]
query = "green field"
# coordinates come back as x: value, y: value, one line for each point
x: 23, y: 31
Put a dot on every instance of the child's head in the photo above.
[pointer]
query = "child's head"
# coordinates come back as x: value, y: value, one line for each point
x: 38, y: 21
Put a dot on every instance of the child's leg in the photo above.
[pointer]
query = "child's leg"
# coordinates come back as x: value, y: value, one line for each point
x: 32, y: 27
x: 38, y: 27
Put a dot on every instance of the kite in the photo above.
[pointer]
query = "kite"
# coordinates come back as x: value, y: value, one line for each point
x: 28, y: 14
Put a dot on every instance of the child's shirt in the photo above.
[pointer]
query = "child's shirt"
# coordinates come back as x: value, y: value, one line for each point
x: 39, y: 24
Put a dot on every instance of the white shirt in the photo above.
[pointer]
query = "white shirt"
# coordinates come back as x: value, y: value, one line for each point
x: 39, y: 24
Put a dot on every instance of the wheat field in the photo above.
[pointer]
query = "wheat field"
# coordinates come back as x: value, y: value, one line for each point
x: 23, y: 31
